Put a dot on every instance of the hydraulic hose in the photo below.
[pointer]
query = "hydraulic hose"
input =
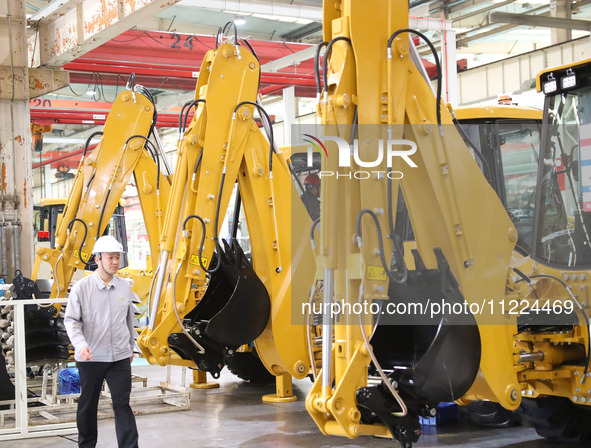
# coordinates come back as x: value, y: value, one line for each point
x: 317, y: 70
x: 263, y: 113
x: 83, y: 239
x: 396, y: 250
x: 86, y: 145
x: 325, y: 60
x: 437, y: 64
x: 219, y: 255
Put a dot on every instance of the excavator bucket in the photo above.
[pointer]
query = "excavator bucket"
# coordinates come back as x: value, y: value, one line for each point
x: 444, y: 374
x: 221, y: 286
x: 236, y: 304
x: 246, y: 313
x: 429, y: 352
x: 45, y: 334
x: 422, y: 355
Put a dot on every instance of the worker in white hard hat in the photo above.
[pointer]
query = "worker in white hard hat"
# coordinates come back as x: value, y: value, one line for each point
x: 99, y: 320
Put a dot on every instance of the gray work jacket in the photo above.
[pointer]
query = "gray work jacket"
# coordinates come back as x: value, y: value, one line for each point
x: 101, y: 317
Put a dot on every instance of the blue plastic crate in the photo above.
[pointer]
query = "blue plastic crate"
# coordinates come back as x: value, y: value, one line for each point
x: 69, y: 381
x: 446, y: 412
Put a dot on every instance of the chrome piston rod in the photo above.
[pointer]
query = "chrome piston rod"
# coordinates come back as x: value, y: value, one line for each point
x: 327, y: 328
x: 158, y: 291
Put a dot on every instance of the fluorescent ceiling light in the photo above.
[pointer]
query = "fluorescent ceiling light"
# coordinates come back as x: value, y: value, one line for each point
x: 283, y: 18
x: 239, y: 20
x: 48, y: 10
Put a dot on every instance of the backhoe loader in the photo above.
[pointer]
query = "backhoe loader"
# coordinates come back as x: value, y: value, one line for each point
x: 124, y: 150
x: 102, y: 176
x: 211, y: 303
x: 470, y: 317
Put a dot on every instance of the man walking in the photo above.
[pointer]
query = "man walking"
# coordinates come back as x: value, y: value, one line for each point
x: 99, y: 320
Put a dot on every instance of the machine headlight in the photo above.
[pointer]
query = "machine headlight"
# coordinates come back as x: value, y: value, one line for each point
x: 569, y: 81
x: 551, y: 85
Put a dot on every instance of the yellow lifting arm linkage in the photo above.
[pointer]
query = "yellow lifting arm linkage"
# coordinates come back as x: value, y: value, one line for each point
x: 208, y: 299
x: 99, y: 184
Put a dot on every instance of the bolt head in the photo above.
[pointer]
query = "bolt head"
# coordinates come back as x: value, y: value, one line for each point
x: 514, y: 394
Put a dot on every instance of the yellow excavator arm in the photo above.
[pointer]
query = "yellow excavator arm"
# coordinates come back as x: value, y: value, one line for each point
x: 124, y: 150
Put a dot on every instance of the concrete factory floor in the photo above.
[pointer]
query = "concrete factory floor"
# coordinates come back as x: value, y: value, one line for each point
x: 234, y: 416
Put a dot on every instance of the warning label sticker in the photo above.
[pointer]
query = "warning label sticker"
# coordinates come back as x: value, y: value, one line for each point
x: 195, y: 260
x: 84, y: 255
x: 376, y: 273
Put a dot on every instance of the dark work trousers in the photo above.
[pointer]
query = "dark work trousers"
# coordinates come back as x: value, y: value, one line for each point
x: 118, y: 376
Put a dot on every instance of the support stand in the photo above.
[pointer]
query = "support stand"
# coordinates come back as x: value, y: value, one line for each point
x: 283, y: 384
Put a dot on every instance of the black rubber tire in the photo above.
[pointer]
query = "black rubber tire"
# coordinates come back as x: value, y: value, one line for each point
x: 248, y: 367
x: 558, y: 419
x: 491, y: 414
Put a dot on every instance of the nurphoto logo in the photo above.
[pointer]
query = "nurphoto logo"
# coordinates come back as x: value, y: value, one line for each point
x: 388, y: 149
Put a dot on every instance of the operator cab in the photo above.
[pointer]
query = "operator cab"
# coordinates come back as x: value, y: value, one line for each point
x: 508, y: 137
x: 562, y: 225
x: 508, y: 140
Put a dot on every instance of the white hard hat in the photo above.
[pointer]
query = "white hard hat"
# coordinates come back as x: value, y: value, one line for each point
x: 107, y: 243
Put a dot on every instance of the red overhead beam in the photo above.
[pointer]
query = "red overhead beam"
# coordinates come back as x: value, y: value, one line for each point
x: 186, y: 50
x: 151, y: 70
x: 172, y: 61
x: 54, y: 160
x: 47, y: 115
x: 93, y: 117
